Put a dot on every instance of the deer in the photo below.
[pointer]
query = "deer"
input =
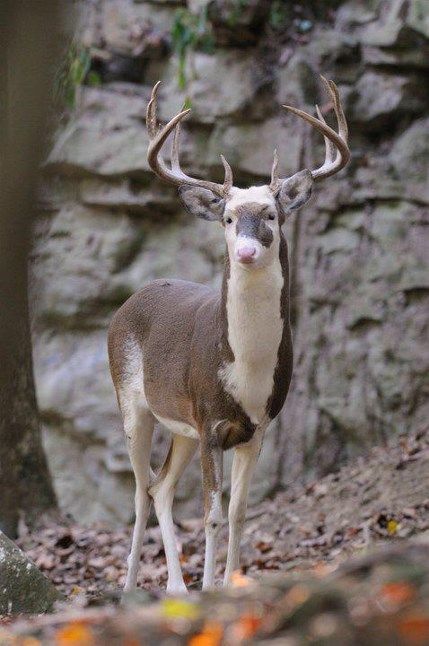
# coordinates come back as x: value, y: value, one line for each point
x: 213, y: 366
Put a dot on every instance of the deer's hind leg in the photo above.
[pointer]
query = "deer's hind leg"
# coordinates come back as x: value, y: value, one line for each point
x: 162, y: 491
x: 138, y: 426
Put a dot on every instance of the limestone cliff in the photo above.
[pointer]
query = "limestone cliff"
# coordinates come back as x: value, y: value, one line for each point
x: 359, y: 282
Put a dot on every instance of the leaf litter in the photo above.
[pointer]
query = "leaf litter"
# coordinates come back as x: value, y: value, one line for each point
x: 344, y: 556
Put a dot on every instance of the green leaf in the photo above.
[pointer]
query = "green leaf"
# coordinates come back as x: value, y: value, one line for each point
x: 190, y: 32
x: 93, y: 79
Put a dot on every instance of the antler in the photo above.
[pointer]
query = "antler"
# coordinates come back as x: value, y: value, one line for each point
x: 337, y: 152
x: 175, y: 175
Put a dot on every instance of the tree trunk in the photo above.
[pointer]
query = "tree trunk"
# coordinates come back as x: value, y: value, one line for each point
x: 27, y: 53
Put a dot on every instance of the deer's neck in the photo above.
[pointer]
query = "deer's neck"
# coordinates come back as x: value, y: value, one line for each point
x: 254, y: 318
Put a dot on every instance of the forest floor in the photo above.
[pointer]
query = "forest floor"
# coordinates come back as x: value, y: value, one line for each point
x: 382, y: 497
x: 347, y: 553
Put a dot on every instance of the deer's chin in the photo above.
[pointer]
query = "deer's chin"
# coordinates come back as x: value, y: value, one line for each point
x: 247, y: 261
x: 249, y: 264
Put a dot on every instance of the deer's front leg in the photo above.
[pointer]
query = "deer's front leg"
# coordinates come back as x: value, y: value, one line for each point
x: 211, y: 464
x: 243, y: 466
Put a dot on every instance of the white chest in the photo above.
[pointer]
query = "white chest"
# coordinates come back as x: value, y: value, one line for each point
x: 255, y: 328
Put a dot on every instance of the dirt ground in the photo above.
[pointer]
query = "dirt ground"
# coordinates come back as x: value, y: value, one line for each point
x: 342, y: 561
x: 381, y: 498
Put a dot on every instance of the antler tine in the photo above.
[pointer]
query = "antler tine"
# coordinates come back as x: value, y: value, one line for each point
x: 332, y: 91
x: 157, y: 140
x: 229, y: 179
x: 155, y: 132
x: 332, y: 155
x: 157, y: 137
x: 330, y: 150
x: 343, y: 129
x: 175, y: 162
x: 151, y: 118
x: 337, y: 141
x: 275, y: 180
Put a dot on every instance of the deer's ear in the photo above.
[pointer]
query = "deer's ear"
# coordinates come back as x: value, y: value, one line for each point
x: 202, y: 202
x: 295, y: 191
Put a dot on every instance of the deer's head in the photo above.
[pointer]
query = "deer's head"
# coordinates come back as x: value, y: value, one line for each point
x: 252, y: 217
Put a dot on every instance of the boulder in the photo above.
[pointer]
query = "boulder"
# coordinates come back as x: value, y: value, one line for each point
x: 74, y: 284
x: 250, y: 150
x: 398, y: 57
x: 131, y: 196
x: 401, y: 21
x: 23, y: 588
x: 229, y: 84
x: 351, y: 14
x: 328, y: 49
x: 408, y: 155
x: 297, y: 82
x: 106, y: 136
x: 380, y: 98
x: 137, y: 29
x: 237, y: 23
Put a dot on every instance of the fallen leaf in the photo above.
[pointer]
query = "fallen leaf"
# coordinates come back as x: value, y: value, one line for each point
x: 414, y: 629
x: 211, y: 635
x: 397, y: 593
x: 263, y: 546
x: 7, y: 639
x: 131, y: 641
x: 76, y: 633
x: 392, y: 527
x: 246, y: 627
x: 322, y: 569
x: 239, y: 580
x: 178, y: 608
x: 296, y: 596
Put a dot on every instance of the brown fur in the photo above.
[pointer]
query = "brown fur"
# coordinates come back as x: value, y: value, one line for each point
x: 182, y: 329
x: 283, y: 371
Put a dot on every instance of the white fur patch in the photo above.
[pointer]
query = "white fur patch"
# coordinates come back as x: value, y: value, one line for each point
x: 132, y: 394
x: 178, y: 427
x: 260, y: 194
x: 255, y: 329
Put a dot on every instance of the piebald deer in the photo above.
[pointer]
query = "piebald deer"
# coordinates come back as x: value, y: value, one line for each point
x: 212, y: 366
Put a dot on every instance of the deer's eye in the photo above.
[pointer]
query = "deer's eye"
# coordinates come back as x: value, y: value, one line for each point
x: 228, y: 220
x: 271, y: 216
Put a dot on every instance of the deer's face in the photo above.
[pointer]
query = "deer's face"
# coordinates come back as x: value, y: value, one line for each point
x: 252, y: 226
x: 251, y: 217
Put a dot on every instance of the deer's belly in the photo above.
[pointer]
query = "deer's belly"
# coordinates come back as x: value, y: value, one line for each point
x: 180, y: 428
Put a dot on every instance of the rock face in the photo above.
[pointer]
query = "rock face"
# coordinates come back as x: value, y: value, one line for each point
x: 23, y: 587
x: 359, y: 283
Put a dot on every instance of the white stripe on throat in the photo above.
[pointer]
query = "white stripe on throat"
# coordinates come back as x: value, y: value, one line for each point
x: 255, y: 329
